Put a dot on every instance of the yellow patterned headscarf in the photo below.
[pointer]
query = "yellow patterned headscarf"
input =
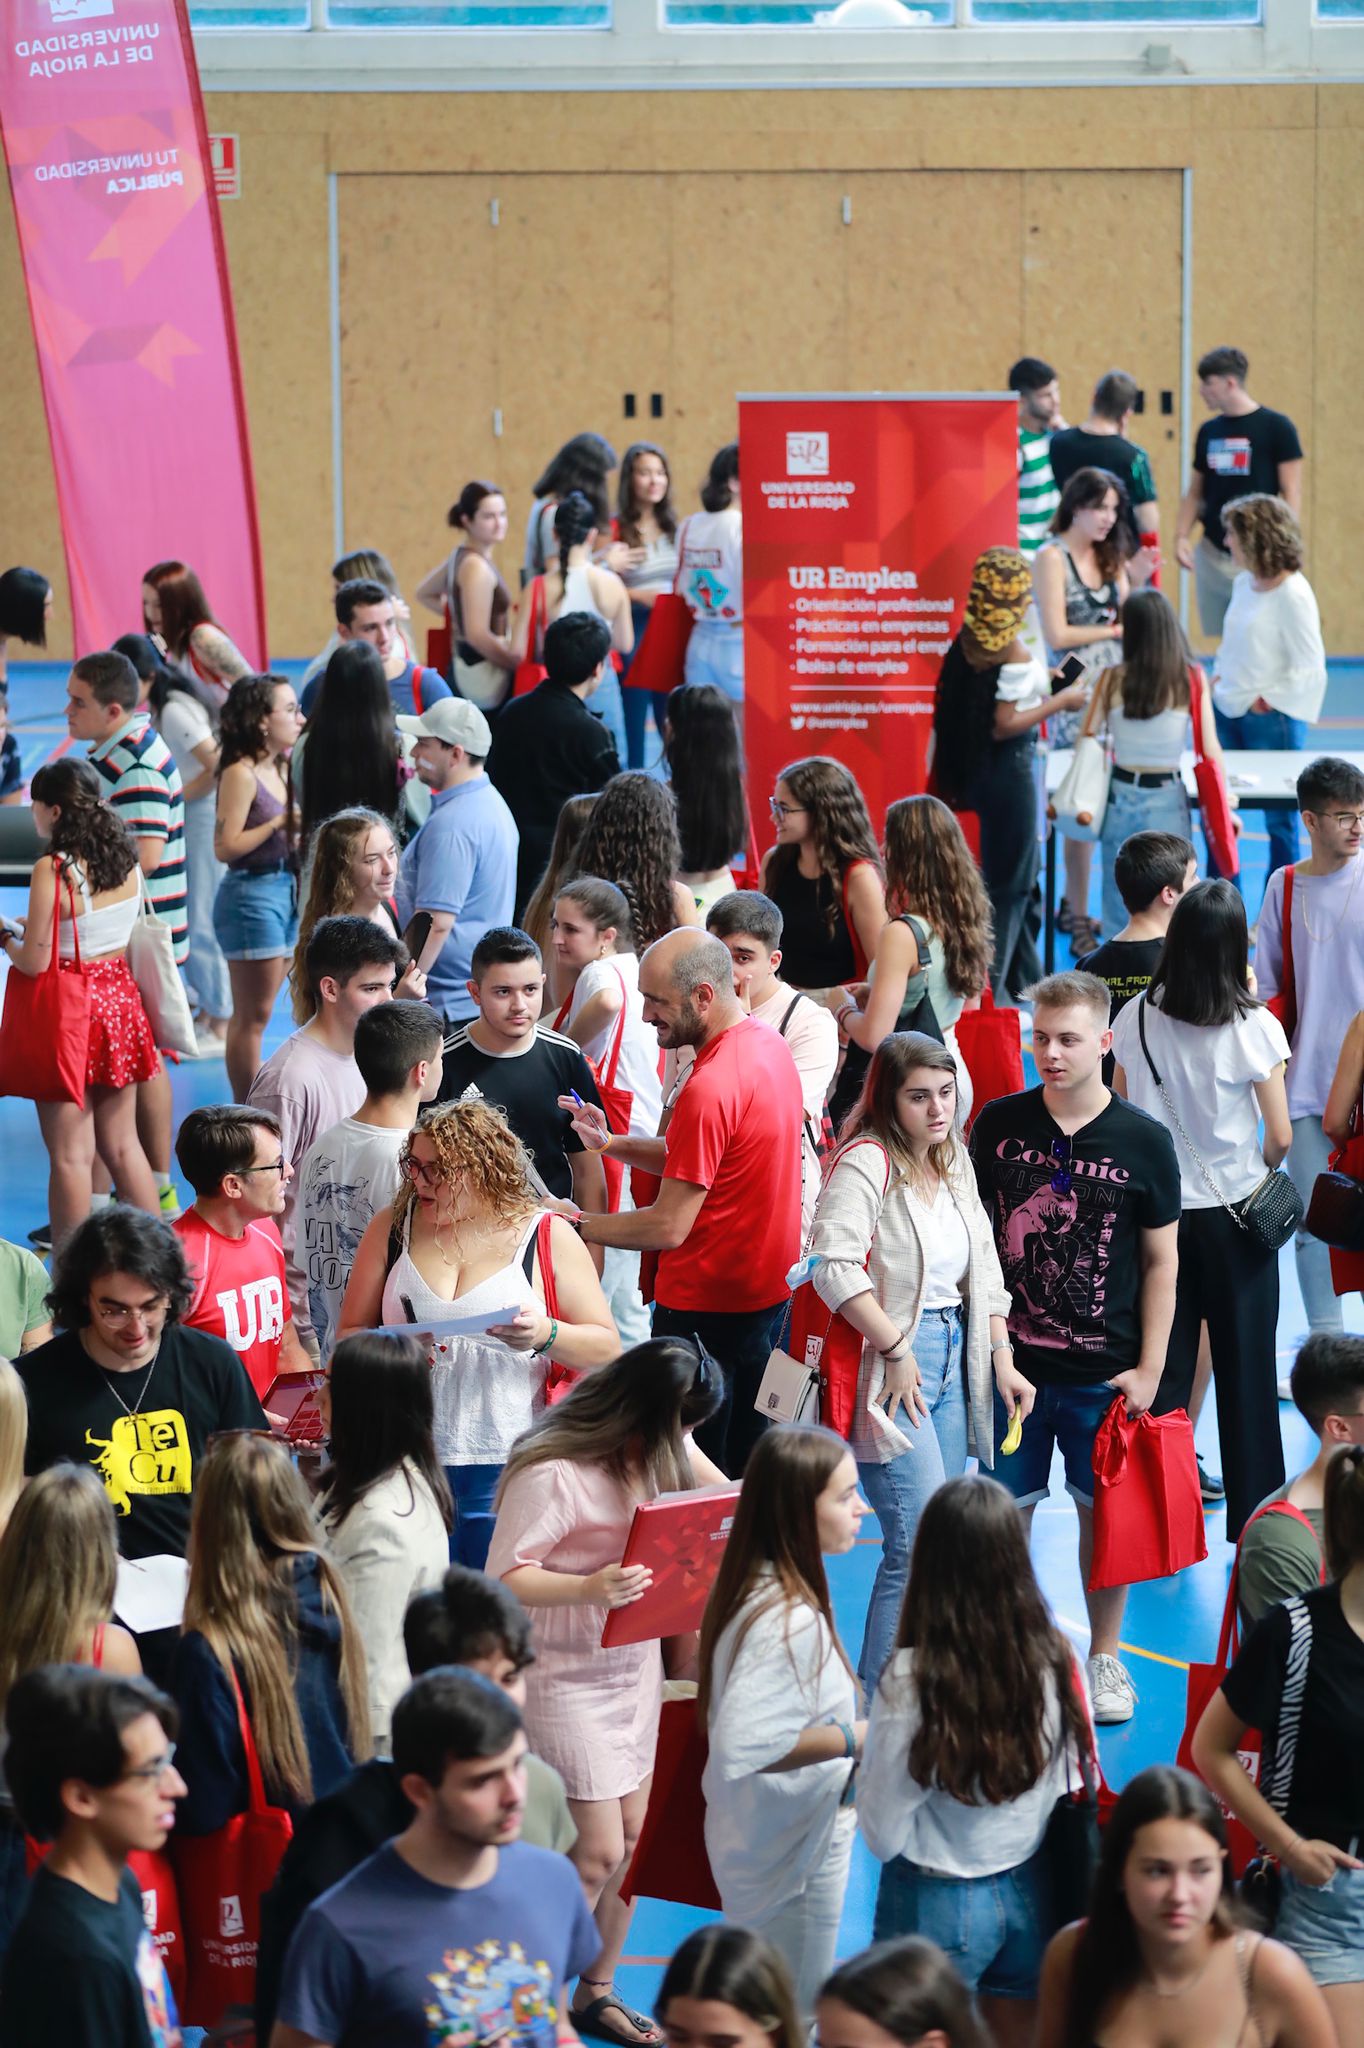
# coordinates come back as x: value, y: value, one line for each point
x: 1001, y: 591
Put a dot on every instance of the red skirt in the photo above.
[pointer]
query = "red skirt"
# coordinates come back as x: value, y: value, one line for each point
x: 122, y: 1049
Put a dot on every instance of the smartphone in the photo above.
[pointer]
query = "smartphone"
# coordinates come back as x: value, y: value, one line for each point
x: 417, y: 934
x: 1071, y: 671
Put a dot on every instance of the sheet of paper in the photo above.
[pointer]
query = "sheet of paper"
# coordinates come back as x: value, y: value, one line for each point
x: 452, y: 1326
x: 149, y: 1593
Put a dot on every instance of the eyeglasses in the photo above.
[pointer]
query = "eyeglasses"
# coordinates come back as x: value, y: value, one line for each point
x: 155, y: 1771
x: 426, y: 1171
x: 1349, y: 819
x: 1060, y: 1149
x: 118, y: 1313
x: 275, y: 1166
x: 781, y: 811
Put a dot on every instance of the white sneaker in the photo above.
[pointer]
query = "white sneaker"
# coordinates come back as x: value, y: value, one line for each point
x: 1111, y: 1691
x: 210, y: 1046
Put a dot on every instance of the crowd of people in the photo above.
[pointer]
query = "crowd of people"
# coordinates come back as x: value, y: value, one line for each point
x: 343, y: 1733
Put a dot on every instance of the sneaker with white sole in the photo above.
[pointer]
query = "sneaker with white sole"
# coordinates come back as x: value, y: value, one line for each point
x: 1111, y: 1691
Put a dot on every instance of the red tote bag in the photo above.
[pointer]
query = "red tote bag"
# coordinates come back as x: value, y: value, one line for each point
x: 1148, y: 1510
x: 1214, y: 804
x: 670, y: 1860
x: 1206, y: 1679
x: 223, y: 1877
x: 819, y: 1337
x: 990, y: 1041
x: 660, y: 659
x: 45, y: 1028
x: 531, y: 671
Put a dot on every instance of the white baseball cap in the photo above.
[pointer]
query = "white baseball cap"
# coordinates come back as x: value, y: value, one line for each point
x: 455, y: 721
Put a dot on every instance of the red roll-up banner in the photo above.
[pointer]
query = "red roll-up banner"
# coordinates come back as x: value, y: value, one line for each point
x: 123, y: 259
x: 862, y: 518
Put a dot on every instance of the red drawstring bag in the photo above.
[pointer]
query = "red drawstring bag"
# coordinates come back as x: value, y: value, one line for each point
x: 660, y: 659
x: 1206, y: 1679
x: 1211, y: 783
x: 223, y: 1877
x: 990, y: 1041
x: 1284, y: 1005
x: 1148, y: 1511
x: 530, y: 670
x: 670, y: 1860
x: 45, y: 1028
x: 820, y: 1338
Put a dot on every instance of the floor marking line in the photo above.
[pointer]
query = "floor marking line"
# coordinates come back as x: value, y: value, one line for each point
x: 1076, y: 1628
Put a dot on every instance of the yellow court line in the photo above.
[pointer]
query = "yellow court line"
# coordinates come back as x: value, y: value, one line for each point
x: 1076, y: 1628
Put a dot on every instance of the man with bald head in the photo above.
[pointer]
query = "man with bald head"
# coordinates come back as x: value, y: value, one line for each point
x: 726, y: 1224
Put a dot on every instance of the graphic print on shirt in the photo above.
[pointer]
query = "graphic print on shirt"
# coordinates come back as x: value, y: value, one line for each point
x: 486, y: 1994
x: 710, y: 591
x: 332, y: 1235
x: 1229, y: 456
x: 157, y: 2001
x: 1055, y: 1245
x: 143, y: 1454
x: 252, y: 1313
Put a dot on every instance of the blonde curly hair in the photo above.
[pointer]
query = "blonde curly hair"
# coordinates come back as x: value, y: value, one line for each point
x: 478, y: 1153
x: 1270, y: 537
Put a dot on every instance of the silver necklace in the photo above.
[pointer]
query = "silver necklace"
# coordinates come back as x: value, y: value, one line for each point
x: 109, y: 1379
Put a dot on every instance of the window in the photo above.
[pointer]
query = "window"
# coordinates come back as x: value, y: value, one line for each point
x: 882, y: 14
x: 248, y: 13
x: 1114, y: 13
x: 513, y: 14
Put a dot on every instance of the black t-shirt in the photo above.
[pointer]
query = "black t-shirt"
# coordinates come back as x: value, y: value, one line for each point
x: 148, y: 1460
x: 1240, y: 455
x: 1326, y: 1797
x: 1126, y: 965
x: 83, y: 1973
x: 1071, y: 1256
x: 528, y: 1086
x: 1076, y: 448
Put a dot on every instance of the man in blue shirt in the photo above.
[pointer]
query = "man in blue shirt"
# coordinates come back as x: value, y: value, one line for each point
x: 364, y: 611
x: 461, y: 866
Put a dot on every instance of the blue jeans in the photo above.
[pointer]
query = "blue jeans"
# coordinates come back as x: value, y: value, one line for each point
x: 1311, y: 1155
x: 898, y: 1491
x: 991, y: 1929
x: 1265, y: 732
x: 1064, y: 1418
x: 1162, y: 809
x: 605, y: 704
x: 715, y: 654
x: 1324, y: 1924
x: 473, y: 1487
x: 206, y: 969
x: 637, y: 702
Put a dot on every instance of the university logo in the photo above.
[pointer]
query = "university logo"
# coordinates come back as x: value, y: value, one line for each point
x: 78, y: 10
x: 807, y: 455
x: 230, y: 1921
x: 256, y: 1312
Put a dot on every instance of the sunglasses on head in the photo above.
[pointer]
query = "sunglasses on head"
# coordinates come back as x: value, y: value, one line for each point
x: 1060, y: 1149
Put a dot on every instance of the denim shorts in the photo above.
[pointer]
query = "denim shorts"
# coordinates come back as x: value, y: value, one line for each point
x: 1064, y: 1418
x: 989, y: 1928
x: 1325, y: 1925
x: 255, y: 916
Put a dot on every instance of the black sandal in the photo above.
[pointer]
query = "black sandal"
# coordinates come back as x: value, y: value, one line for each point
x: 588, y: 2019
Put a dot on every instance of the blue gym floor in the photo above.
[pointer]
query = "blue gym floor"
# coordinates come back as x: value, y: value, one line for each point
x: 1167, y: 1625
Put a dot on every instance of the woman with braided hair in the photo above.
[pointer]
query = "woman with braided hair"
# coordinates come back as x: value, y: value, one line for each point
x: 575, y: 583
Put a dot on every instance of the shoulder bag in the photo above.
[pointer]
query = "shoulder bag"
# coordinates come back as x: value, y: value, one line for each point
x: 530, y: 670
x: 812, y: 1371
x: 1335, y: 1213
x: 1262, y: 1885
x: 1214, y: 804
x: 151, y: 962
x: 1070, y: 1846
x: 1078, y: 807
x: 1272, y: 1211
x: 1206, y: 1679
x: 45, y: 1028
x: 659, y: 662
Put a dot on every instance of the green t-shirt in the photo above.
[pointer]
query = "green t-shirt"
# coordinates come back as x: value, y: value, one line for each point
x: 1278, y: 1558
x: 23, y: 1296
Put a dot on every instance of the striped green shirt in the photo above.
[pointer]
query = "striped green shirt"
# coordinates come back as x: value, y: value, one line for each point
x: 142, y: 783
x: 1038, y: 496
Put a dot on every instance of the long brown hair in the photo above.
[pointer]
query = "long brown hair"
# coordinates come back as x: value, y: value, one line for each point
x: 331, y: 892
x: 628, y: 1417
x: 775, y: 1531
x: 1086, y: 490
x: 873, y: 1114
x: 87, y: 831
x: 930, y: 872
x: 627, y: 505
x: 58, y: 1562
x: 986, y: 1649
x: 183, y: 604
x: 13, y: 1441
x: 563, y: 862
x: 1153, y: 675
x: 839, y: 825
x: 632, y: 840
x: 252, y: 1522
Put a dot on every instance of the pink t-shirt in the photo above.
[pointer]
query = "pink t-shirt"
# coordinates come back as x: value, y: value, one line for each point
x: 239, y: 1291
x: 309, y: 1088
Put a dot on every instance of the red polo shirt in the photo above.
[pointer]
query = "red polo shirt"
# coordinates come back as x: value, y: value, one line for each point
x: 736, y: 1132
x: 240, y: 1291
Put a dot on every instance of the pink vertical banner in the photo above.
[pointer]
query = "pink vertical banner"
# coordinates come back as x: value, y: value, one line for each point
x: 122, y: 248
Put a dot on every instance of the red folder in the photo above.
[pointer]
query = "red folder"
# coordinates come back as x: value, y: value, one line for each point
x: 681, y: 1537
x: 293, y: 1396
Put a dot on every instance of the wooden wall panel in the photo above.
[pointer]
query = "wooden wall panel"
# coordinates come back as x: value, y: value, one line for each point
x: 30, y: 531
x: 1333, y: 434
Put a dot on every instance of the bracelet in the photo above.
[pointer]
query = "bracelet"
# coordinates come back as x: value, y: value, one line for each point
x: 848, y: 1010
x: 849, y: 1741
x: 1003, y: 1344
x: 901, y: 1344
x: 550, y: 1340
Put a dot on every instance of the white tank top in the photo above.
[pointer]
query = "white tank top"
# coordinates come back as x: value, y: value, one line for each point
x: 102, y: 931
x: 1148, y: 742
x: 578, y: 595
x: 485, y: 1393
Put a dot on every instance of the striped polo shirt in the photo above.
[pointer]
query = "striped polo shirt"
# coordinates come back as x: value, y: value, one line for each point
x: 1038, y: 496
x: 144, y: 787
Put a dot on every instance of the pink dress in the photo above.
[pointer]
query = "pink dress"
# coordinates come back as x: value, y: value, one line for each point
x: 592, y: 1713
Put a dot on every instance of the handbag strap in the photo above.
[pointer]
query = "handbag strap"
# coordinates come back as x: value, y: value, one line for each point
x: 1192, y: 1149
x: 613, y: 1057
x: 545, y: 1254
x: 1280, y: 1785
x: 1086, y: 728
x: 254, y: 1778
x: 1196, y: 710
x: 1288, y: 992
x: 63, y: 875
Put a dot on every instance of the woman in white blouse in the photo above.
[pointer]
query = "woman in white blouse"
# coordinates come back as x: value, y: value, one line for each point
x: 1203, y: 1057
x: 1271, y: 665
x: 385, y: 1502
x: 780, y: 1703
x: 977, y: 1729
x: 907, y: 1256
